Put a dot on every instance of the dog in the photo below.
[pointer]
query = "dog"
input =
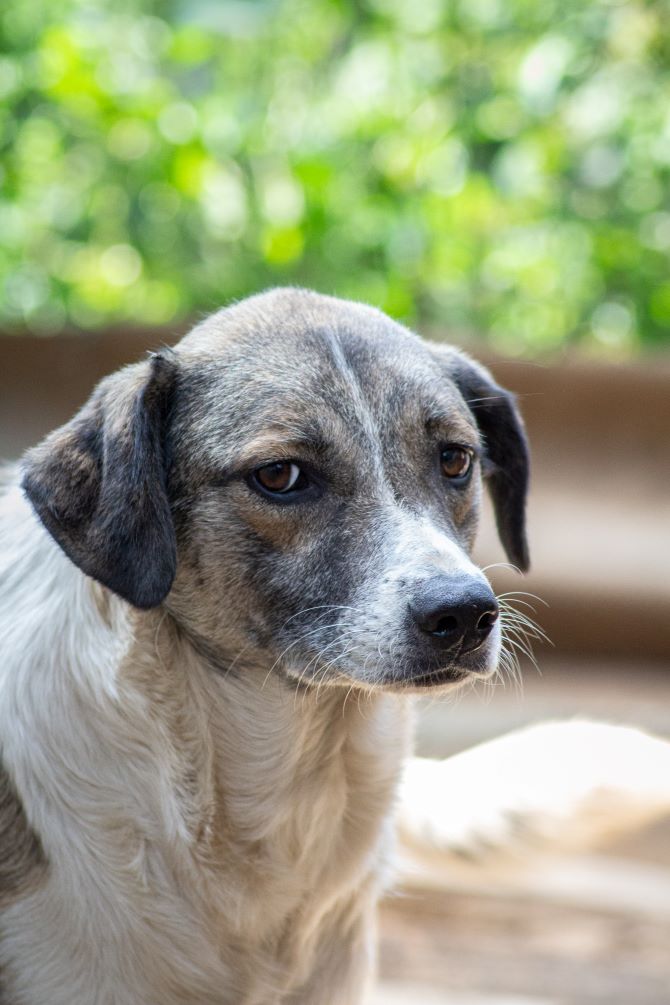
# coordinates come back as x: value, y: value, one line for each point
x: 222, y: 580
x: 222, y: 584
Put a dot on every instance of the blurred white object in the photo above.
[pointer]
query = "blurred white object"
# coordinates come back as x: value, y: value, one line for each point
x: 556, y: 786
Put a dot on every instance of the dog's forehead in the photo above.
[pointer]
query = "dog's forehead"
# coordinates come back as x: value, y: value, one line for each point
x: 290, y: 356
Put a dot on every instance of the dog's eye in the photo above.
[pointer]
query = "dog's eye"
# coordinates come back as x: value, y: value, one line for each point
x: 456, y: 462
x: 280, y: 478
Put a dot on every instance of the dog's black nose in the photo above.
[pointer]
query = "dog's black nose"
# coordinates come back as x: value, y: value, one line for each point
x: 458, y: 612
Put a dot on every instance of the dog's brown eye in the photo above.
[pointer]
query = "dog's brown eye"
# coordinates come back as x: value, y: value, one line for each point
x: 456, y: 463
x: 280, y: 477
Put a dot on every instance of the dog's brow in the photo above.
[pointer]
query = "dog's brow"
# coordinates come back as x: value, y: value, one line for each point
x: 280, y: 445
x: 454, y: 425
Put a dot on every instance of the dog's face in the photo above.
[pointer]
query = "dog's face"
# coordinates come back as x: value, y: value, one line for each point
x: 298, y: 482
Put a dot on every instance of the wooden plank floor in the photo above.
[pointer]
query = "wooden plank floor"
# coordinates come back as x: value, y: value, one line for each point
x: 584, y: 930
x: 526, y: 946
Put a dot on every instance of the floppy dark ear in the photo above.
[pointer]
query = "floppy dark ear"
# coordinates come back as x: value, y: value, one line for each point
x: 98, y: 484
x: 502, y: 428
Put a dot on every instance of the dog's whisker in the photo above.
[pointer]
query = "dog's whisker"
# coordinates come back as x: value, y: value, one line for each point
x: 346, y: 698
x: 512, y: 630
x: 501, y: 565
x: 300, y: 640
x: 520, y: 647
x: 525, y: 630
x: 237, y: 658
x: 525, y: 627
x: 510, y: 665
x: 524, y: 603
x: 512, y: 617
x: 318, y: 607
x: 328, y: 668
x: 318, y: 656
x: 522, y: 593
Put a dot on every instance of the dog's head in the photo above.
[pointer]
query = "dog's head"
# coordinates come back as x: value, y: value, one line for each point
x: 299, y: 480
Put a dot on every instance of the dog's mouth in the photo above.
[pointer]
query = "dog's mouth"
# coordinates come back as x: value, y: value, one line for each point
x: 443, y: 677
x: 476, y: 663
x: 413, y: 670
x: 450, y: 675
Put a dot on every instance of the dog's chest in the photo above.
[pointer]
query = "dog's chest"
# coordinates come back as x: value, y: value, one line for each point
x: 290, y: 815
x: 303, y: 800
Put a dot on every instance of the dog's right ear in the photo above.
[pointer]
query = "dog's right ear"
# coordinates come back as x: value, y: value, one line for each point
x: 98, y: 484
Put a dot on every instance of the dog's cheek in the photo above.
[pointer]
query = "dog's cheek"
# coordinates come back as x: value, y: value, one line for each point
x: 244, y: 572
x: 279, y: 529
x: 465, y: 513
x: 302, y: 582
x: 307, y: 592
x: 211, y: 594
x: 251, y: 575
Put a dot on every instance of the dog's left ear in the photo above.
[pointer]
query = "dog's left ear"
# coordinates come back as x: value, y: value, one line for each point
x: 504, y: 436
x: 98, y: 484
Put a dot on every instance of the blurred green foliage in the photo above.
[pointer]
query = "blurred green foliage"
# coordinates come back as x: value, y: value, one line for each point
x: 498, y: 166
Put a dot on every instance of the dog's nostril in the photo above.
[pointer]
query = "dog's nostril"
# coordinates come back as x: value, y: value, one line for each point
x: 454, y: 612
x: 446, y: 626
x: 487, y: 621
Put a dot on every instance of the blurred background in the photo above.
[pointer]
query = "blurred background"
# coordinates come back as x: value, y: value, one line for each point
x: 502, y: 165
x: 492, y: 172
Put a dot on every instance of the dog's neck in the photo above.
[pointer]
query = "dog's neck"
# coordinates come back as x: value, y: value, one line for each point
x: 270, y: 755
x: 286, y: 795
